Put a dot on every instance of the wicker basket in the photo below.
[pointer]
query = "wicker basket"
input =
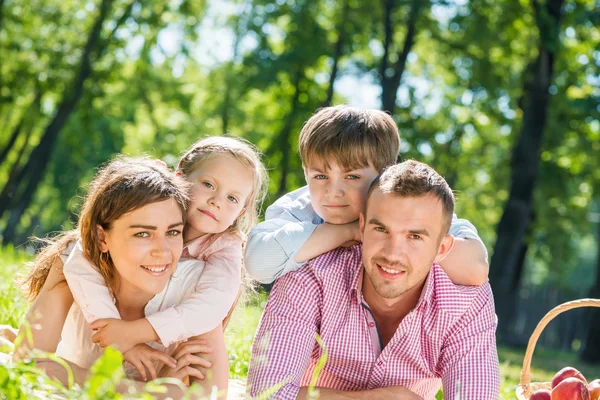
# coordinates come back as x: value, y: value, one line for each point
x: 526, y: 388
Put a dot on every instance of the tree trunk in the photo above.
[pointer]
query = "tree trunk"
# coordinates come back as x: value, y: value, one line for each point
x: 40, y: 156
x: 591, y: 348
x: 17, y: 131
x: 337, y: 54
x: 390, y: 79
x: 512, y: 228
x: 283, y: 138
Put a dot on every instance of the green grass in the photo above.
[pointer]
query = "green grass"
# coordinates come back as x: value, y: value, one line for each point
x: 21, y: 382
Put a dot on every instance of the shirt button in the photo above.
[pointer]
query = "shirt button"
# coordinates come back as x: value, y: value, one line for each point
x: 380, y: 363
x: 371, y: 324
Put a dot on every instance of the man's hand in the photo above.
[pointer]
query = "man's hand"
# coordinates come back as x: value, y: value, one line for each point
x: 114, y: 332
x: 187, y: 358
x: 141, y: 357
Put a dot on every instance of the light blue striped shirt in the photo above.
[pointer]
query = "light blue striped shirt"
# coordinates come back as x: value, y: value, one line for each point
x: 289, y: 222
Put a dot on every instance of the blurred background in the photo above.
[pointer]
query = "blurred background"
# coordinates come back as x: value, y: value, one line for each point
x: 501, y: 96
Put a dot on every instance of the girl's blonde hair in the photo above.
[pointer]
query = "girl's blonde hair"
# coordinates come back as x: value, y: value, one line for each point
x: 244, y: 152
x: 121, y: 186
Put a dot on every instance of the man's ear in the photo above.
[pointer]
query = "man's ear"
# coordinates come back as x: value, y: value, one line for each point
x: 444, y: 249
x: 102, y: 244
x: 361, y: 225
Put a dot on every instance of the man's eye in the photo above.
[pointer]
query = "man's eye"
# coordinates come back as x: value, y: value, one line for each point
x: 415, y: 237
x: 142, y: 234
x: 380, y: 229
x: 233, y: 199
x: 208, y: 185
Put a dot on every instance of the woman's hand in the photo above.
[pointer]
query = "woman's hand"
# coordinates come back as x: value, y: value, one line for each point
x: 141, y: 357
x: 187, y: 358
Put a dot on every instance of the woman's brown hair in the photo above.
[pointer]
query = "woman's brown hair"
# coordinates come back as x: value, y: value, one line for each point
x: 121, y: 186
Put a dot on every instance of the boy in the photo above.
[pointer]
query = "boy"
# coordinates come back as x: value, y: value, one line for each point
x: 343, y: 149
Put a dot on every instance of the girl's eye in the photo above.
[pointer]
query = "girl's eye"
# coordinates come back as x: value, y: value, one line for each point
x: 233, y: 199
x: 320, y: 176
x: 174, y: 232
x: 142, y: 234
x: 208, y: 185
x: 353, y: 177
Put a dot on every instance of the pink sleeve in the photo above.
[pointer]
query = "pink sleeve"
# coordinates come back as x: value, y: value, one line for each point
x: 88, y: 287
x: 209, y: 303
x: 469, y: 359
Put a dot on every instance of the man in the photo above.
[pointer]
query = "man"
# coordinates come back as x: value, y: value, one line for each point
x: 391, y: 322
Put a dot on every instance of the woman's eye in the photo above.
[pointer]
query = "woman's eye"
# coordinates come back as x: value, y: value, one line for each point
x: 174, y: 232
x: 208, y: 185
x: 142, y: 234
x: 233, y: 199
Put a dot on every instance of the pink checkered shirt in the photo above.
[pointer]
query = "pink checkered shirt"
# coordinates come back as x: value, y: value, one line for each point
x: 447, y: 340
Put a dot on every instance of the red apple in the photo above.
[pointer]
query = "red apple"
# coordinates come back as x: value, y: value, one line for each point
x: 567, y: 372
x: 541, y: 394
x: 594, y: 388
x: 571, y: 389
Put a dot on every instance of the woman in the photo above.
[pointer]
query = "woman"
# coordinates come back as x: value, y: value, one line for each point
x: 130, y: 228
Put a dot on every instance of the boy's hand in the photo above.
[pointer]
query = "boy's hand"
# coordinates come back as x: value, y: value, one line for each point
x: 188, y: 360
x: 141, y: 356
x: 353, y: 229
x: 114, y: 332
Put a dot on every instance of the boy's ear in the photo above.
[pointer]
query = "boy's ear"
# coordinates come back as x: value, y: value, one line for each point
x: 444, y: 249
x: 305, y: 173
x: 102, y: 244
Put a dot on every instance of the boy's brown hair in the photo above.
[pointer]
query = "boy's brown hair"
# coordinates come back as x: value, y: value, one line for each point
x: 354, y: 137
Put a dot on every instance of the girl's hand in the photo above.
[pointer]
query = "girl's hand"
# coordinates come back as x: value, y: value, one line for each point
x: 141, y: 357
x: 188, y: 358
x: 114, y: 332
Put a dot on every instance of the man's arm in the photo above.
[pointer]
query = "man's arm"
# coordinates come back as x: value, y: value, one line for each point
x: 466, y: 263
x: 469, y: 358
x: 286, y: 334
x: 392, y: 392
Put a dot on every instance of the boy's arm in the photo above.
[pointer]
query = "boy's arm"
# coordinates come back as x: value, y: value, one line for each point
x: 466, y: 263
x: 209, y: 303
x: 88, y: 287
x: 327, y: 237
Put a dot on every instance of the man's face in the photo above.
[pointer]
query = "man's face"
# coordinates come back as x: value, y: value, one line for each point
x: 401, y: 239
x: 338, y: 194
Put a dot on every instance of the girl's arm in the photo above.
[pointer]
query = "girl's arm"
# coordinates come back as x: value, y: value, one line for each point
x: 466, y: 263
x: 210, y: 302
x: 89, y: 287
x: 47, y: 315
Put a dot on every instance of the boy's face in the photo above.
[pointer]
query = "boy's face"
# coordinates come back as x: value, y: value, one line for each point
x: 337, y: 194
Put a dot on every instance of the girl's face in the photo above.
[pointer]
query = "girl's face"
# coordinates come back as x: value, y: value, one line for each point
x: 145, y: 246
x: 222, y: 186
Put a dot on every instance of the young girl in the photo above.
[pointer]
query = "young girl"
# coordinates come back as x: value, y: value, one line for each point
x: 131, y: 227
x: 229, y: 183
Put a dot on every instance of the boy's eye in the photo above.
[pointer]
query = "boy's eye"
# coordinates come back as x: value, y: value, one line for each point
x: 142, y: 234
x: 353, y: 177
x: 174, y: 232
x: 320, y: 176
x: 208, y: 185
x: 233, y: 199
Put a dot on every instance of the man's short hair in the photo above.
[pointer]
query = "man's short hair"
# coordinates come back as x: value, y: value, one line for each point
x: 354, y: 137
x: 415, y: 179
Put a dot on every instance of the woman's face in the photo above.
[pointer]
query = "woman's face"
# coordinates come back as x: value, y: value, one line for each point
x: 145, y: 246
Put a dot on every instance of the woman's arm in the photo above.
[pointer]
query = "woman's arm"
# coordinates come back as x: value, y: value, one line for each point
x: 47, y: 315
